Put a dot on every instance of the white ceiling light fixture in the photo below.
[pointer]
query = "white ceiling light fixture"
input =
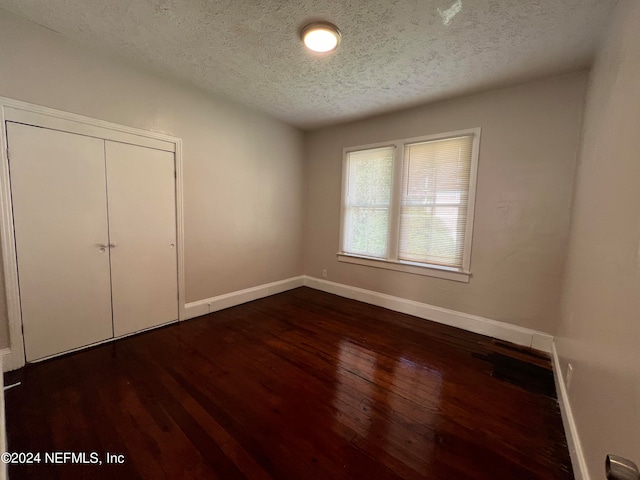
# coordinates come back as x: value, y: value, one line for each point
x: 321, y: 37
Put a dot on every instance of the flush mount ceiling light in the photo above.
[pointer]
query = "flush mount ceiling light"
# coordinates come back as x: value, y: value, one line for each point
x: 321, y: 37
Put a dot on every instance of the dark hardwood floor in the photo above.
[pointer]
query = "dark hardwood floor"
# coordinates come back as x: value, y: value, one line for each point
x: 300, y: 385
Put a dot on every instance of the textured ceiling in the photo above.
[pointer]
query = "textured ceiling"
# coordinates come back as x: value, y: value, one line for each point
x: 394, y: 53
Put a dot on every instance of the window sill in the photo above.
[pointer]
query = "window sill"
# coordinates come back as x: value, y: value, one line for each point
x: 407, y: 267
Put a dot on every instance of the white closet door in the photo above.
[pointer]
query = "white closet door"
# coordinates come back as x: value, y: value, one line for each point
x: 142, y: 226
x: 60, y: 218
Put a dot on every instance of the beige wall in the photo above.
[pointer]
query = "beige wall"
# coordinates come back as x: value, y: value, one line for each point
x: 600, y: 328
x: 242, y: 170
x: 525, y: 180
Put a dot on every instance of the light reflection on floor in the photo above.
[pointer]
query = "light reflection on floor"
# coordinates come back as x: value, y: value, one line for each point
x: 396, y: 403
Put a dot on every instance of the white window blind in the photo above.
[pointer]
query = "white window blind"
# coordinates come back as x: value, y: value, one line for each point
x: 369, y: 175
x: 408, y: 206
x: 435, y: 201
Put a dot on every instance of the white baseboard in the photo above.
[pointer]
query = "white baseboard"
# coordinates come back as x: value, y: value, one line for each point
x: 213, y: 304
x: 465, y: 321
x: 578, y: 462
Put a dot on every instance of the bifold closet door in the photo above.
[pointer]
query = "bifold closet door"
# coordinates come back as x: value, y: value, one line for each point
x: 59, y: 199
x: 142, y: 227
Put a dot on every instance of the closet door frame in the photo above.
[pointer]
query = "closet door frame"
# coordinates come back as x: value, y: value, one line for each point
x: 38, y: 116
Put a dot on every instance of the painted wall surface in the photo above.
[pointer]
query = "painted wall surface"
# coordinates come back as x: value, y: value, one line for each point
x: 600, y: 328
x: 527, y: 160
x: 243, y: 172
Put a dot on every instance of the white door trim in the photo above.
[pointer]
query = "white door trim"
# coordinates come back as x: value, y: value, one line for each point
x: 23, y: 112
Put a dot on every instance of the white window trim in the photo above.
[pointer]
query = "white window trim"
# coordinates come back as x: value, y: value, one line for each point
x: 392, y: 263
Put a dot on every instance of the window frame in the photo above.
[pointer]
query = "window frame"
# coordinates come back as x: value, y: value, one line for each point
x: 391, y: 262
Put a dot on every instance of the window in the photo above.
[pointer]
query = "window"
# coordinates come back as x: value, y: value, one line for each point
x: 408, y: 204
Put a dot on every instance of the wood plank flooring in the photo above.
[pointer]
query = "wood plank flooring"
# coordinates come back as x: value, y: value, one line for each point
x: 300, y: 385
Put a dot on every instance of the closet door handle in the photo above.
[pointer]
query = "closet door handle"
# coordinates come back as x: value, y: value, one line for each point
x: 103, y: 245
x: 113, y: 245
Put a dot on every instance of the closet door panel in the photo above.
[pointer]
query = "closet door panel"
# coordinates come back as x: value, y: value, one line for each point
x: 60, y: 219
x: 142, y: 226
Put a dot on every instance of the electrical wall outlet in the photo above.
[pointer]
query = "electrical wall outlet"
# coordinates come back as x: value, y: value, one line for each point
x: 324, y: 274
x: 569, y: 376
